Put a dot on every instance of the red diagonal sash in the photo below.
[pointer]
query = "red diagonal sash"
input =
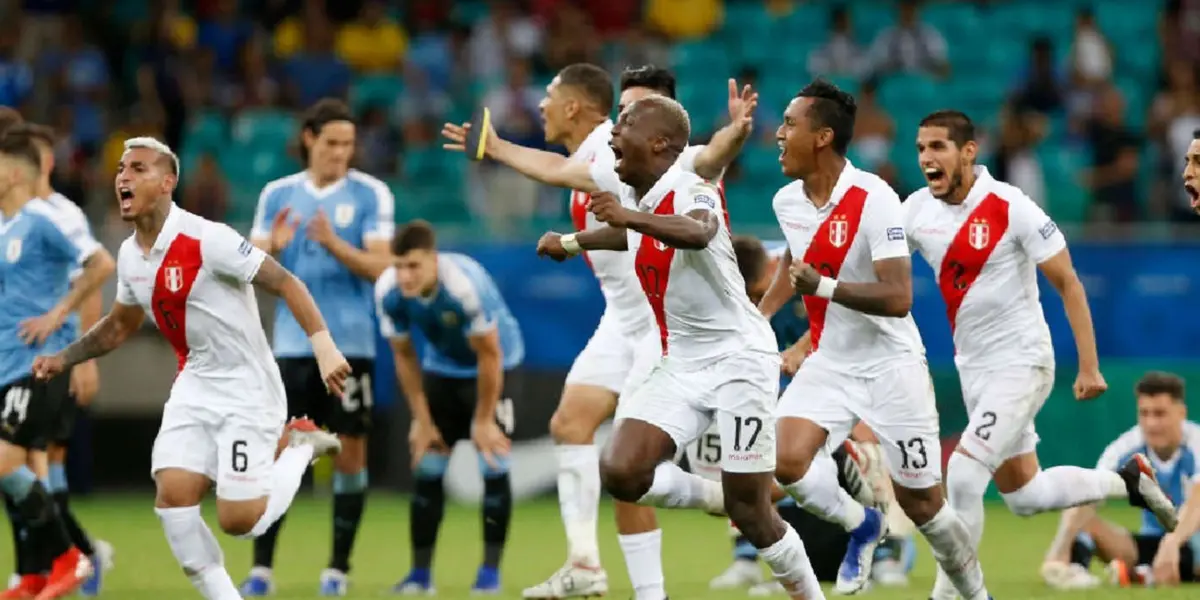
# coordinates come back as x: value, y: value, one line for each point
x: 828, y: 249
x: 969, y: 252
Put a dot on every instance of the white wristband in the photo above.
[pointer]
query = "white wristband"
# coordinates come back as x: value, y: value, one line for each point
x: 325, y: 351
x: 570, y: 244
x: 825, y: 287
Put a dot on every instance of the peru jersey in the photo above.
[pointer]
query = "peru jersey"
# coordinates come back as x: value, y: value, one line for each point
x: 862, y: 223
x: 196, y: 283
x: 985, y: 253
x: 698, y: 297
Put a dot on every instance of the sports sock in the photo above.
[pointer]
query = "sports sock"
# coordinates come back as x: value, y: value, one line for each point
x: 349, y: 500
x: 497, y: 512
x: 1064, y: 487
x: 264, y: 545
x: 675, y: 488
x: 790, y: 565
x: 743, y: 549
x: 60, y: 491
x: 425, y: 517
x: 819, y: 493
x: 643, y: 560
x: 950, y: 544
x: 47, y: 537
x: 197, y: 552
x: 286, y: 475
x: 579, y: 501
x: 22, y: 545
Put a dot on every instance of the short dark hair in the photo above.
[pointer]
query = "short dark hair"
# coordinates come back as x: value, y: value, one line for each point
x: 414, y: 235
x: 832, y: 108
x: 958, y: 125
x: 1196, y: 134
x: 9, y: 118
x: 41, y: 133
x: 751, y: 257
x: 649, y: 76
x: 18, y: 144
x: 324, y: 112
x: 594, y: 82
x: 1160, y: 382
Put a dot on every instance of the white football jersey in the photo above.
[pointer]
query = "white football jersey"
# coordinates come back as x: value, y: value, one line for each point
x: 984, y: 253
x: 863, y: 222
x: 195, y: 282
x: 698, y: 297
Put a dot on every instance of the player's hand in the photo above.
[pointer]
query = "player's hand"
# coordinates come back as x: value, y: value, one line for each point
x: 422, y: 438
x: 608, y: 210
x: 85, y: 382
x: 456, y: 138
x: 37, y: 330
x: 490, y: 440
x: 791, y: 359
x: 1089, y: 384
x: 804, y: 278
x: 46, y: 368
x: 550, y: 245
x: 742, y: 106
x: 283, y: 229
x: 1166, y: 562
x: 319, y: 229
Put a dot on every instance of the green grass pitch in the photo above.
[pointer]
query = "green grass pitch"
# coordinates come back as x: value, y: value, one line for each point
x: 696, y: 547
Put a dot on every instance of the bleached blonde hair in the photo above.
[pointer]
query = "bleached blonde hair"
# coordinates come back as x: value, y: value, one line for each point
x: 150, y: 143
x: 676, y: 114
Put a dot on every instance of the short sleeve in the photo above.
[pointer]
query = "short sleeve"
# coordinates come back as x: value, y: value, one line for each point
x: 1035, y: 231
x: 911, y: 209
x: 883, y: 224
x: 604, y: 174
x: 227, y: 253
x: 701, y: 196
x: 479, y: 318
x: 380, y: 219
x: 393, y: 324
x: 264, y: 213
x: 81, y: 235
x: 66, y: 243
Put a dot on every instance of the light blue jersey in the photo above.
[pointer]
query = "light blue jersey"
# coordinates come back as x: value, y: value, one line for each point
x: 37, y: 256
x: 360, y: 208
x: 75, y: 225
x: 465, y: 303
x: 1176, y: 475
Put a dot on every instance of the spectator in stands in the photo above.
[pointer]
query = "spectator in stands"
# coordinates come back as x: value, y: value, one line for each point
x: 842, y: 54
x: 378, y: 143
x: 16, y: 76
x: 206, y: 192
x: 1179, y: 30
x: 224, y: 35
x: 258, y: 87
x: 570, y: 38
x: 504, y: 32
x: 1174, y: 117
x: 79, y: 71
x: 317, y: 72
x: 1091, y: 53
x: 684, y: 19
x: 910, y: 46
x: 639, y: 47
x: 1041, y: 85
x: 1022, y: 128
x: 874, y: 131
x: 373, y: 42
x: 511, y: 198
x: 163, y: 86
x: 288, y: 37
x: 1113, y: 177
x: 41, y: 26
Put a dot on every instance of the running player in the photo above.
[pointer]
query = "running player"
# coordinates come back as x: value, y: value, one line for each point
x: 1172, y: 443
x: 347, y: 219
x: 717, y: 350
x: 224, y: 420
x: 867, y: 360
x: 986, y: 241
x: 464, y: 390
x: 38, y: 257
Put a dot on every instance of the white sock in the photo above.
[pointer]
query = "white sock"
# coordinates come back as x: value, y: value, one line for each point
x: 818, y: 492
x: 790, y: 565
x: 675, y: 488
x: 286, y: 475
x: 196, y: 550
x: 966, y: 482
x: 579, y: 501
x: 643, y: 560
x: 1064, y: 487
x: 950, y: 544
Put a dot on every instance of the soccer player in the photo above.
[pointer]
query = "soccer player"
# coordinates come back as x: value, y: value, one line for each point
x: 1191, y: 171
x: 464, y: 390
x: 986, y: 241
x: 224, y: 421
x: 347, y: 220
x: 718, y: 353
x: 846, y: 228
x: 36, y: 297
x: 1172, y: 442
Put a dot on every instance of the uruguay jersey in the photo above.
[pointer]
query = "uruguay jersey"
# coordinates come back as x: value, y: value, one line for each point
x: 74, y: 224
x: 37, y: 255
x: 1176, y: 474
x: 360, y: 209
x: 465, y: 303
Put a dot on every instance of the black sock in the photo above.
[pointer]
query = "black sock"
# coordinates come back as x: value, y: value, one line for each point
x: 21, y: 542
x: 1081, y: 554
x: 264, y: 545
x: 497, y: 512
x: 78, y: 536
x: 48, y: 538
x: 425, y: 518
x: 347, y: 514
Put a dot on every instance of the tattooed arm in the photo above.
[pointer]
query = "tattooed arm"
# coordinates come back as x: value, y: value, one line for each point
x: 105, y: 336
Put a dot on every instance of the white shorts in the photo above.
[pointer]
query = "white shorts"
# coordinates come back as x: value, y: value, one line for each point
x: 1002, y: 404
x: 608, y: 357
x: 740, y: 389
x: 704, y: 454
x: 898, y: 405
x: 235, y: 449
x: 647, y: 353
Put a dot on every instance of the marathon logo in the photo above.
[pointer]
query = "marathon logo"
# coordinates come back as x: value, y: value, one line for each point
x: 245, y: 248
x: 895, y: 234
x: 1048, y: 230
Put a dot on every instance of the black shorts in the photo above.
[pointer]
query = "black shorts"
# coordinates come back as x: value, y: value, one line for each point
x: 1147, y: 546
x: 452, y: 405
x: 306, y: 395
x: 64, y: 427
x: 31, y: 410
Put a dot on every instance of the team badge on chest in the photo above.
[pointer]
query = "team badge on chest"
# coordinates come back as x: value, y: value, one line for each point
x: 13, y: 252
x: 343, y: 215
x: 839, y: 230
x: 449, y: 318
x: 173, y: 279
x: 978, y: 234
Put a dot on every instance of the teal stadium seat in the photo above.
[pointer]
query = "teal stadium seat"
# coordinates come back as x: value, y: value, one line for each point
x: 206, y: 131
x: 433, y: 183
x: 265, y: 128
x: 372, y: 91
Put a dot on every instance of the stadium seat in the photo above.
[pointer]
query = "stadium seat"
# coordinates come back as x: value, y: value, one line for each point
x: 375, y: 91
x: 265, y: 128
x: 206, y: 131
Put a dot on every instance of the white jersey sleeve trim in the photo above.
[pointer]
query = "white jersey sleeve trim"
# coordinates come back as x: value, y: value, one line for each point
x: 461, y: 288
x: 383, y: 286
x: 382, y: 225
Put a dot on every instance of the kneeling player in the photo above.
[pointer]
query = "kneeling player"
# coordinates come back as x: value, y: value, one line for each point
x: 472, y: 341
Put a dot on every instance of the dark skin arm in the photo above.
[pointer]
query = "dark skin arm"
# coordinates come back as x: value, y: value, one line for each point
x: 692, y: 231
x: 891, y: 296
x: 601, y: 238
x: 780, y: 291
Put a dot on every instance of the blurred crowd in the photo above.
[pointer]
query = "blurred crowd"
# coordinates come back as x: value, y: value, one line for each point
x: 102, y: 70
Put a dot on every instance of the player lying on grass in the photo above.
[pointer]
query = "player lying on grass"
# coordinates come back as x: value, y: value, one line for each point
x: 1172, y: 444
x: 224, y: 420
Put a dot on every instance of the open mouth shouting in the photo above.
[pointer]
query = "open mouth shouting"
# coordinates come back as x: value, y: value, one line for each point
x: 125, y: 197
x: 935, y: 176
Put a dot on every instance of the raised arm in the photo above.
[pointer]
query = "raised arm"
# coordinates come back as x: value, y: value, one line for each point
x: 546, y: 167
x: 716, y: 156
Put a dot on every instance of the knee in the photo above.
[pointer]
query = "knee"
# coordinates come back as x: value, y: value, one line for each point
x: 237, y: 522
x: 496, y: 469
x: 568, y: 428
x: 1024, y: 501
x: 966, y: 479
x: 920, y: 505
x: 431, y: 467
x: 624, y: 477
x: 350, y: 483
x: 353, y: 456
x: 791, y: 467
